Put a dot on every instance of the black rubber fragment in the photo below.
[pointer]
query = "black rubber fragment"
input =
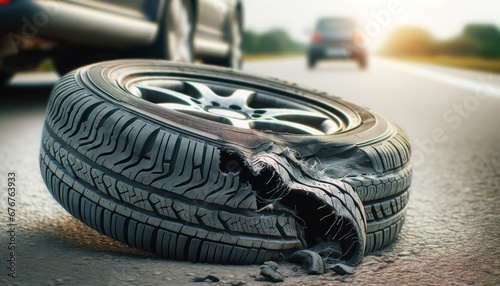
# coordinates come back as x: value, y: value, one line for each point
x: 208, y: 279
x: 342, y: 269
x: 328, y: 250
x: 311, y: 261
x: 271, y: 274
x: 271, y: 264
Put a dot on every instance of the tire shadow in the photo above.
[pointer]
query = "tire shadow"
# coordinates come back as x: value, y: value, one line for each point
x: 71, y: 232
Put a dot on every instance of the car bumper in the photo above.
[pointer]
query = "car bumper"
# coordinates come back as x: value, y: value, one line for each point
x: 335, y: 51
x: 73, y: 23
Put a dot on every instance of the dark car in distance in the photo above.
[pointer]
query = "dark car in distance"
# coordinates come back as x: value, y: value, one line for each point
x: 336, y: 38
x: 79, y: 32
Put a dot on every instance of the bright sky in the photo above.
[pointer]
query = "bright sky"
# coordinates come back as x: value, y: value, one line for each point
x: 442, y: 18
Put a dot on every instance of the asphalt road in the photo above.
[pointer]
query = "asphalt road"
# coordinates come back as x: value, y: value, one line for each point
x: 451, y: 235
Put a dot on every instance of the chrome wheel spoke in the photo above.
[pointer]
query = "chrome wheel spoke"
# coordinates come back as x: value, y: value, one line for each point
x: 290, y: 114
x: 204, y: 92
x: 164, y: 95
x: 239, y: 98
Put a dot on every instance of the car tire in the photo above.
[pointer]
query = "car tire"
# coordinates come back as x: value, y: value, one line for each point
x: 174, y: 41
x: 200, y: 163
x: 362, y: 63
x: 5, y: 78
x: 311, y: 63
x: 234, y: 59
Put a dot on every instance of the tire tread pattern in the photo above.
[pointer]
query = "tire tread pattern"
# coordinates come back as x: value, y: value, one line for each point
x: 163, y: 193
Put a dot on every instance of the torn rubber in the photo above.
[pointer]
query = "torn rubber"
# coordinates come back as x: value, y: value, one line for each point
x: 327, y: 210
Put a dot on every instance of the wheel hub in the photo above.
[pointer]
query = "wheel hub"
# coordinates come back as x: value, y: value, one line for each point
x: 235, y: 105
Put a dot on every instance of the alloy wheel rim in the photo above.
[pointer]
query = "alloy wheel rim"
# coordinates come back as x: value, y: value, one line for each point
x: 237, y: 106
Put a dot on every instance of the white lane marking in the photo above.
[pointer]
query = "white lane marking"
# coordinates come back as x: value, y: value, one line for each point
x: 487, y: 84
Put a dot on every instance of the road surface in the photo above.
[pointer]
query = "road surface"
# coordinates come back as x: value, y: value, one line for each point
x: 451, y: 235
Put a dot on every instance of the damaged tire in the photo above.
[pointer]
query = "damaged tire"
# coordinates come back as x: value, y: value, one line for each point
x: 213, y: 165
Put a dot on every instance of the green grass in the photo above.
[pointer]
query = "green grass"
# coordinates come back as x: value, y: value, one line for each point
x: 45, y: 65
x: 472, y: 63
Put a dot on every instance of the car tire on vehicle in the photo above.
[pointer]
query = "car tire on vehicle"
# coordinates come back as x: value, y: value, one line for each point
x: 214, y: 165
x: 362, y: 62
x: 311, y: 63
x: 175, y: 36
x: 234, y: 59
x: 5, y: 78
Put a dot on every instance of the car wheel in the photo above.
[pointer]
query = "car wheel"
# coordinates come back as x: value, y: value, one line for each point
x: 362, y: 62
x: 207, y: 164
x: 234, y: 58
x: 175, y: 37
x: 5, y: 78
x: 311, y: 63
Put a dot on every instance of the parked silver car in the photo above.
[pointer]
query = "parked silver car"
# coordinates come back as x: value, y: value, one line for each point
x: 77, y: 32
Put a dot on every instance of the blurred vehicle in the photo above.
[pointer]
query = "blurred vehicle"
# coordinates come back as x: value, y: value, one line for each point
x: 77, y: 32
x: 336, y: 38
